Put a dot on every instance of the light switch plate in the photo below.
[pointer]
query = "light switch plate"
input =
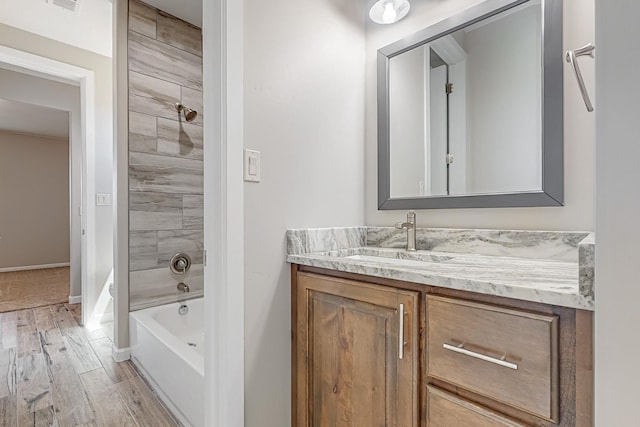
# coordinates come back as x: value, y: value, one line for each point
x: 252, y: 165
x: 103, y: 199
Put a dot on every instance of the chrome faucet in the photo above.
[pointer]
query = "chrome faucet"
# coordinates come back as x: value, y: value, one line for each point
x: 183, y: 287
x: 410, y: 226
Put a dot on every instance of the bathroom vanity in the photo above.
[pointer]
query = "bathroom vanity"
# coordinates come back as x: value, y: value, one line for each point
x: 475, y: 328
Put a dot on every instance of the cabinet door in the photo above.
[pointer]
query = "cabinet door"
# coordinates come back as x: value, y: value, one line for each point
x: 357, y: 348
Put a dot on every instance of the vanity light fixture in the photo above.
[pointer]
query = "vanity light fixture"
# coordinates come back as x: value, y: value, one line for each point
x: 389, y: 11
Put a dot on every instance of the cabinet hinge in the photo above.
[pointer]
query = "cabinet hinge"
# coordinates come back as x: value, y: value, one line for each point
x: 449, y: 158
x: 449, y: 88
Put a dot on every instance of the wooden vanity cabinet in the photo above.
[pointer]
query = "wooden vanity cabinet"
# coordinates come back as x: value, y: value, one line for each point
x: 347, y: 370
x: 356, y: 353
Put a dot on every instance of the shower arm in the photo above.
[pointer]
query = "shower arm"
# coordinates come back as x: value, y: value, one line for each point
x: 572, y: 58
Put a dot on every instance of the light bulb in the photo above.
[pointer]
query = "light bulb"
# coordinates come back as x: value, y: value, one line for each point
x: 390, y: 14
x: 389, y: 11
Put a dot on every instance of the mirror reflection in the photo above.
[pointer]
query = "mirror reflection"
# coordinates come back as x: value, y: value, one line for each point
x: 465, y: 110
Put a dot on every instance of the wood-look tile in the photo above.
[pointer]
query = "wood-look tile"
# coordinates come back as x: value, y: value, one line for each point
x: 34, y: 391
x: 68, y: 395
x: 28, y: 341
x: 171, y: 242
x: 142, y: 18
x: 44, y: 318
x: 107, y: 330
x: 143, y: 250
x: 25, y: 318
x: 192, y: 98
x: 41, y: 418
x: 79, y: 351
x: 180, y: 34
x: 8, y: 328
x: 44, y: 389
x: 116, y: 371
x: 76, y: 312
x: 193, y: 212
x: 154, y: 211
x: 143, y: 405
x: 8, y: 411
x: 142, y: 133
x: 150, y: 172
x: 8, y: 372
x: 107, y: 404
x: 153, y: 96
x: 157, y: 59
x: 180, y: 139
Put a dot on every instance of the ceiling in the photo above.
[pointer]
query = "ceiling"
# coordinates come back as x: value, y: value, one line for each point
x: 33, y: 119
x: 187, y: 10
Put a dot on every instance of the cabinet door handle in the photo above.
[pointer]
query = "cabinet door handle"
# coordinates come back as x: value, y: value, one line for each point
x: 401, y: 342
x: 460, y: 349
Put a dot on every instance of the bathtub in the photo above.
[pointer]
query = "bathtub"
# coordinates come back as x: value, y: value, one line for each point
x: 169, y: 350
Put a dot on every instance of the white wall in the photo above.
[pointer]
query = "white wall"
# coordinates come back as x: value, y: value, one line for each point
x: 577, y: 214
x: 504, y: 96
x: 34, y: 195
x: 103, y: 170
x: 304, y: 110
x: 88, y: 28
x: 617, y: 213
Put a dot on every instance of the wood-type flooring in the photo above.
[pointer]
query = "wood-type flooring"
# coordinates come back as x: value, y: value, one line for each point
x: 54, y: 372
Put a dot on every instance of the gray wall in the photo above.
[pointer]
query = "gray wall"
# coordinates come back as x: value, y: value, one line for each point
x: 617, y: 213
x: 165, y: 154
x: 579, y: 142
x: 34, y: 188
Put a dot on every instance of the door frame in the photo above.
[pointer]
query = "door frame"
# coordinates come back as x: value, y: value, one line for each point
x: 39, y: 66
x: 222, y: 35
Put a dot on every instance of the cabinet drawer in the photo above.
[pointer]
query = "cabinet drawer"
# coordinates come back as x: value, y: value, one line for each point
x: 506, y: 355
x: 446, y: 410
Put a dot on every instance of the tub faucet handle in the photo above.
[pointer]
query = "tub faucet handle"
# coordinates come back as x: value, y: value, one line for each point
x: 183, y: 287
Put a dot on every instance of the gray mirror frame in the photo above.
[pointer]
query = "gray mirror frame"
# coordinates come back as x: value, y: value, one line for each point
x: 552, y: 192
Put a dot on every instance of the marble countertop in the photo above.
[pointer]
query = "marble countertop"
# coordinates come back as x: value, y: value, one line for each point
x: 547, y: 267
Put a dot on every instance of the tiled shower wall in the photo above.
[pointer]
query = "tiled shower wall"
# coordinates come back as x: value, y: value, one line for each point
x: 165, y: 155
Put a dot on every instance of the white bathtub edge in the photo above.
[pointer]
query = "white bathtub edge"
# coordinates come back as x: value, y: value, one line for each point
x: 166, y: 401
x: 120, y: 354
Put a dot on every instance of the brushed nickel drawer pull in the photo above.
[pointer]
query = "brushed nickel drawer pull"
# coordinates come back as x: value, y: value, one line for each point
x: 460, y: 349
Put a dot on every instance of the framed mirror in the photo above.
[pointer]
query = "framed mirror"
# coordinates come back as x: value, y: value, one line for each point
x: 470, y: 110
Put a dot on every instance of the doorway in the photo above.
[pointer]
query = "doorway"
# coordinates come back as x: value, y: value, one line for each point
x: 48, y: 83
x: 35, y: 238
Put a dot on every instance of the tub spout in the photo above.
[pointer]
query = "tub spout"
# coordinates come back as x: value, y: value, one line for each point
x: 183, y: 287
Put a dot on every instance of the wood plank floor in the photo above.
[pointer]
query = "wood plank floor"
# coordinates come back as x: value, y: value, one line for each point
x: 33, y: 288
x: 56, y: 373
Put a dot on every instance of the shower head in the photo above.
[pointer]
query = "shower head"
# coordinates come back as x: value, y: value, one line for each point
x: 189, y: 114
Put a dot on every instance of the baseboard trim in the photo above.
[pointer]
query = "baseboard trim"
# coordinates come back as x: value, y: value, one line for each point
x: 34, y: 267
x: 120, y: 354
x: 75, y: 299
